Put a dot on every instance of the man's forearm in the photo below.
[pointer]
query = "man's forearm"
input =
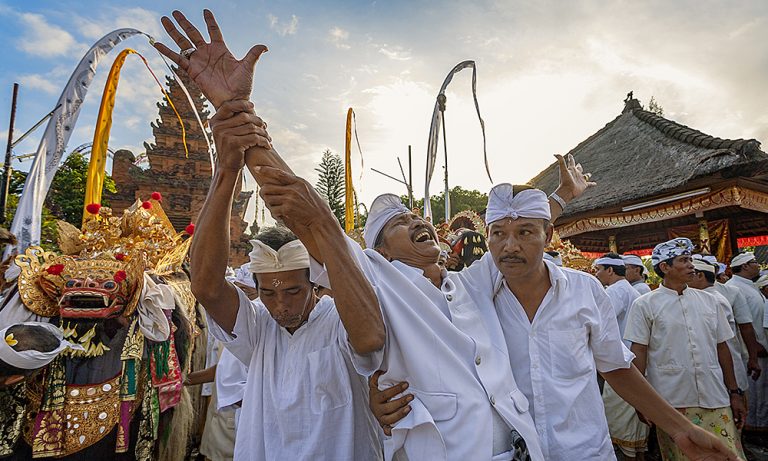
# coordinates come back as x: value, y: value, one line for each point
x: 726, y: 364
x: 209, y: 253
x: 750, y: 339
x: 641, y: 357
x: 631, y: 386
x: 356, y: 301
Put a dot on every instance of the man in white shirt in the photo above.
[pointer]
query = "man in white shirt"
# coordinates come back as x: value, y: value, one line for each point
x: 626, y: 430
x: 559, y: 327
x: 746, y: 270
x: 679, y: 337
x: 636, y: 273
x: 745, y: 332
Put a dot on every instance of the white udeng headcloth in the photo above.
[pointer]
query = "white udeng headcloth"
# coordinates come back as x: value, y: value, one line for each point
x: 503, y: 203
x: 32, y: 359
x: 632, y: 260
x: 742, y: 258
x: 383, y: 208
x: 290, y: 257
x: 606, y: 261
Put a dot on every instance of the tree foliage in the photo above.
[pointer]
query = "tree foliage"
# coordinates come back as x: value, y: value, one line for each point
x: 655, y: 107
x: 330, y: 182
x: 65, y: 199
x: 461, y: 199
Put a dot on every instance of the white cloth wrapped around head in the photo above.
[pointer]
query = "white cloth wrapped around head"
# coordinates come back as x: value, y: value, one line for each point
x: 702, y: 265
x: 632, y: 260
x: 383, y: 209
x: 742, y: 258
x: 32, y: 359
x: 762, y: 282
x: 721, y: 268
x: 606, y: 261
x: 291, y: 256
x: 504, y: 203
x: 671, y: 249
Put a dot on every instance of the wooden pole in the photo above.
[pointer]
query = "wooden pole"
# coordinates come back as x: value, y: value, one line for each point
x: 7, y: 166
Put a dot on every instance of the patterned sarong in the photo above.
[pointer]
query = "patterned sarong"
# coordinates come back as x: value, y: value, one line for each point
x: 718, y: 421
x: 626, y: 429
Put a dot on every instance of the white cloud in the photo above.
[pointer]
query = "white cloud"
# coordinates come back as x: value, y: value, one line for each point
x: 95, y: 27
x: 285, y: 28
x: 41, y: 38
x: 395, y: 52
x: 38, y: 82
x: 338, y: 37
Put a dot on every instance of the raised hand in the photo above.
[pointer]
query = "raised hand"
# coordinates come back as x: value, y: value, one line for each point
x: 573, y: 180
x: 292, y: 200
x: 235, y: 130
x: 220, y: 76
x: 700, y: 445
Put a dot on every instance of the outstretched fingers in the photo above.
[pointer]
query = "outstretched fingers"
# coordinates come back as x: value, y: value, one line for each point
x: 214, y: 31
x: 172, y: 55
x: 253, y: 55
x: 194, y: 35
x: 179, y: 38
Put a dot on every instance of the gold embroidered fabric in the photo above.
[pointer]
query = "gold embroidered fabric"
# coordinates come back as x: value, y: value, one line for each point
x: 90, y: 412
x: 13, y: 401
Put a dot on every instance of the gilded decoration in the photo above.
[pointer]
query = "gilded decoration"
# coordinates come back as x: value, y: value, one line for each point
x: 731, y: 196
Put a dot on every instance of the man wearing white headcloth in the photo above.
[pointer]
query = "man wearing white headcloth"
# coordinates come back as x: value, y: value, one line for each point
x: 742, y: 316
x: 679, y: 336
x: 746, y: 270
x: 625, y: 428
x: 636, y: 273
x: 558, y: 327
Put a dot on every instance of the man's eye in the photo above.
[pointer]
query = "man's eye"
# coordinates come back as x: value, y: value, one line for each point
x: 293, y: 292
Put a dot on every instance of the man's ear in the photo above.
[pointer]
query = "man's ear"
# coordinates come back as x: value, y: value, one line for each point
x: 550, y: 232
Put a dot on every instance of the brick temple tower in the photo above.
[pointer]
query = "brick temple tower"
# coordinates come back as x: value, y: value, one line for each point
x: 183, y: 181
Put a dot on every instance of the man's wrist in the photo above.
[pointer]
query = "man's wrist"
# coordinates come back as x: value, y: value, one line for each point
x: 564, y: 194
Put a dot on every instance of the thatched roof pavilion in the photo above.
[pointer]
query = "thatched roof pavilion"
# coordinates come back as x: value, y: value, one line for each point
x: 659, y: 179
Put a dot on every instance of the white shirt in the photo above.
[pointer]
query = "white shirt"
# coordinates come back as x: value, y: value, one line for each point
x: 622, y: 296
x: 555, y: 358
x: 231, y: 379
x: 756, y: 303
x: 457, y: 380
x: 303, y: 399
x: 641, y: 287
x: 734, y: 344
x: 682, y: 333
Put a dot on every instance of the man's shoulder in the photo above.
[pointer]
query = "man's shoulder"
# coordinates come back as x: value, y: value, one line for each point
x: 577, y: 278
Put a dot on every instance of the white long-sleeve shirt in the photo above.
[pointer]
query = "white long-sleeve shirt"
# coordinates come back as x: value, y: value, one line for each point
x: 458, y: 379
x: 756, y: 303
x: 303, y: 399
x: 734, y: 344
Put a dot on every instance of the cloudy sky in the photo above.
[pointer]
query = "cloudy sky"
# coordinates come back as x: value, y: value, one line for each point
x: 550, y: 73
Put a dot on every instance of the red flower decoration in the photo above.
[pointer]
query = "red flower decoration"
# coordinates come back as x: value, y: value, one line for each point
x: 146, y: 205
x: 93, y: 208
x: 157, y: 196
x: 120, y: 256
x: 120, y: 276
x: 190, y: 229
x: 55, y: 269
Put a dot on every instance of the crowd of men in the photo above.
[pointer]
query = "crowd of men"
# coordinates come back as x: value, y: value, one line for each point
x: 503, y: 360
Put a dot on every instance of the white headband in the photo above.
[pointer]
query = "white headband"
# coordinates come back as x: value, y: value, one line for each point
x: 384, y: 208
x: 701, y: 265
x: 742, y: 258
x: 290, y: 257
x: 32, y: 359
x: 761, y: 282
x: 605, y: 261
x: 504, y: 203
x: 632, y: 260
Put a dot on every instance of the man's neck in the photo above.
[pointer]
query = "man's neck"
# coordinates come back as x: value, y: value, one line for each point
x: 434, y: 273
x: 615, y: 279
x: 530, y: 289
x: 673, y: 285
